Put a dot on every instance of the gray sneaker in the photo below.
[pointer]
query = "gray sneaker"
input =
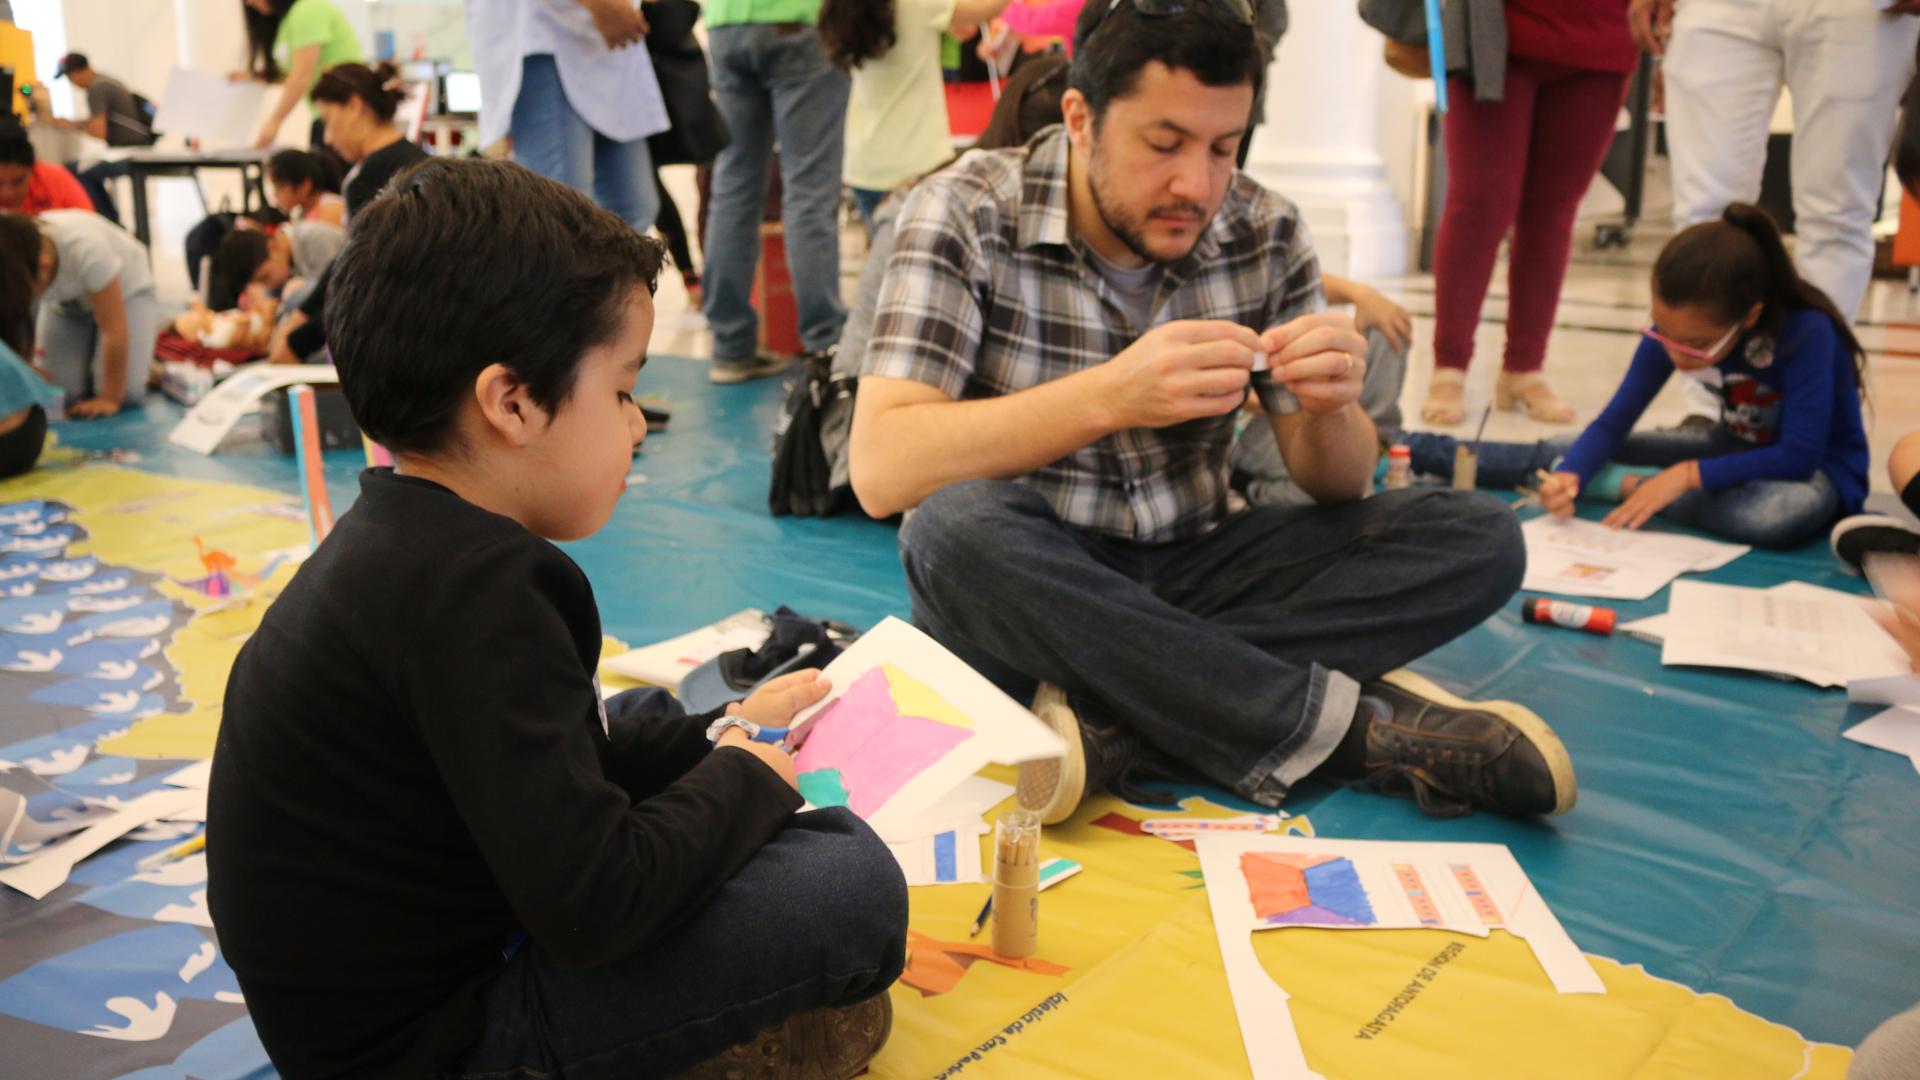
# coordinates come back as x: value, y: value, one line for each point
x: 1452, y: 755
x: 820, y: 1044
x: 758, y: 366
x: 1097, y: 759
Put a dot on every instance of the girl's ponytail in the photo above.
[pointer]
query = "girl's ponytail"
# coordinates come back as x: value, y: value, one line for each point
x: 1736, y: 262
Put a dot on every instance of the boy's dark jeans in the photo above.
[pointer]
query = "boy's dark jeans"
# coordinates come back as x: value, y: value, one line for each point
x: 1237, y: 655
x: 817, y: 919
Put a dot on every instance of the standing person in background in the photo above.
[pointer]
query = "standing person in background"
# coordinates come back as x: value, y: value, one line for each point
x: 569, y: 81
x: 307, y: 37
x: 29, y: 185
x: 1845, y: 62
x: 1521, y: 152
x: 897, y: 109
x: 773, y: 82
x: 697, y: 134
x: 113, y: 117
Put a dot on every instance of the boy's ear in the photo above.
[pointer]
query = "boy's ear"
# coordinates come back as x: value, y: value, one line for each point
x: 505, y: 406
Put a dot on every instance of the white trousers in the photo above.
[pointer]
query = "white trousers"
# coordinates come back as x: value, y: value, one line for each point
x: 1846, y: 65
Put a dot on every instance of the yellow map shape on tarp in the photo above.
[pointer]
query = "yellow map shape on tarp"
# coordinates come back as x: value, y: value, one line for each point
x: 148, y: 522
x: 915, y: 698
x: 1144, y: 993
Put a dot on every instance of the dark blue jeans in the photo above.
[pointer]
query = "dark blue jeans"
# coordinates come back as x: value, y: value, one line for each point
x: 98, y: 179
x: 1764, y: 513
x: 817, y: 919
x: 1237, y: 655
x: 774, y: 84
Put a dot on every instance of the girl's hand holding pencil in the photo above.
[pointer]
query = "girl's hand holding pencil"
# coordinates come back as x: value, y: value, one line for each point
x: 1557, y: 492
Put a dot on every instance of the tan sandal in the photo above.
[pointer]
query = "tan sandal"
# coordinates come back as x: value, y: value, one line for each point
x: 1446, y: 409
x: 1530, y: 392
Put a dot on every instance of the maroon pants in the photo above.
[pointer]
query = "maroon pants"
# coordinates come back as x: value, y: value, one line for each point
x: 1521, y: 164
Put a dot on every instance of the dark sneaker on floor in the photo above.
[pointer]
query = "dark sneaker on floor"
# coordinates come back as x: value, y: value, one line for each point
x: 1096, y: 757
x: 821, y: 1044
x: 1862, y: 535
x: 760, y: 366
x: 1452, y: 755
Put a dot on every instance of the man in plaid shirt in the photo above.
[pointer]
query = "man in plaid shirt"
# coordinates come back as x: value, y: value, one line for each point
x: 1064, y: 336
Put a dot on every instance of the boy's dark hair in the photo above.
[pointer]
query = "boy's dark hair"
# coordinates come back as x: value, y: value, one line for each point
x: 1029, y: 101
x: 234, y: 263
x: 292, y: 167
x: 19, y: 267
x: 1206, y: 37
x: 463, y: 263
x: 379, y: 87
x: 1737, y: 261
x: 15, y: 147
x: 856, y: 31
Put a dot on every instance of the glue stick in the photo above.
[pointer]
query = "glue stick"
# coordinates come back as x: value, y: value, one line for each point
x: 1399, y: 466
x: 1016, y: 883
x: 1594, y: 620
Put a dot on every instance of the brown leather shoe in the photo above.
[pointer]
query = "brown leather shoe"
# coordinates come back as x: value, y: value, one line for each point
x: 821, y: 1044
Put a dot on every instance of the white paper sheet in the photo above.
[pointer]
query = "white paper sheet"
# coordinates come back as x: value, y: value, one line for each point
x: 1886, y: 690
x: 1381, y: 885
x: 205, y: 106
x: 1896, y: 730
x: 665, y: 663
x: 209, y: 421
x: 949, y: 855
x: 1818, y: 635
x: 196, y: 775
x: 1003, y: 731
x: 48, y: 869
x: 1573, y: 557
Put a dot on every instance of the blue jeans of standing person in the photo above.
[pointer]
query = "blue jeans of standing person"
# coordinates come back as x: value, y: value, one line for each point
x: 1238, y: 655
x: 774, y: 83
x: 817, y: 919
x: 550, y: 138
x: 98, y: 179
x: 1764, y: 513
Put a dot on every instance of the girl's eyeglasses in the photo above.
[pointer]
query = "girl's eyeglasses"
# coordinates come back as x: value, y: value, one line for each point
x: 1707, y: 355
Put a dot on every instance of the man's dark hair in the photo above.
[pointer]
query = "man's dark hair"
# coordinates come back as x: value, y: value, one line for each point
x: 463, y: 263
x: 15, y: 147
x: 234, y: 263
x: 1206, y: 38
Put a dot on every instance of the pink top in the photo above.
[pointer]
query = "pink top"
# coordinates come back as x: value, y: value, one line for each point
x: 1053, y: 19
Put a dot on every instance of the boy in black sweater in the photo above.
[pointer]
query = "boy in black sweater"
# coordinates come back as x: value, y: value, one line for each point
x: 432, y: 849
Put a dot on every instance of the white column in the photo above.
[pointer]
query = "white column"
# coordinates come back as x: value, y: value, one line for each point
x: 211, y: 35
x: 1318, y: 145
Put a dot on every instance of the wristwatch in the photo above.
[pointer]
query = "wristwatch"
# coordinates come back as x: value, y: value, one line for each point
x: 719, y: 727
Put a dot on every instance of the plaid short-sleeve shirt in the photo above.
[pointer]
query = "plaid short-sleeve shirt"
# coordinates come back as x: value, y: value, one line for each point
x: 988, y: 293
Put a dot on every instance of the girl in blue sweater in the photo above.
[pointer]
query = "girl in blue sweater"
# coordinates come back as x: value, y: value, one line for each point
x: 1789, y: 455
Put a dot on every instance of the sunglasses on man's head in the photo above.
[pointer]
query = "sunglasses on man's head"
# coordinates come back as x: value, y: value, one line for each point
x: 1160, y: 9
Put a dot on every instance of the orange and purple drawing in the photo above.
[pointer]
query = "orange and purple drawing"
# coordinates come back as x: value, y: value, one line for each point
x: 1305, y: 890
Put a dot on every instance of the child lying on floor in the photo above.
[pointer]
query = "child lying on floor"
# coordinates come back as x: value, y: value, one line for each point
x: 432, y: 847
x: 1789, y: 455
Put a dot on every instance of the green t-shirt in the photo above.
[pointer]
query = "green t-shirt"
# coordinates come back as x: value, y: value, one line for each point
x: 316, y: 22
x: 731, y: 12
